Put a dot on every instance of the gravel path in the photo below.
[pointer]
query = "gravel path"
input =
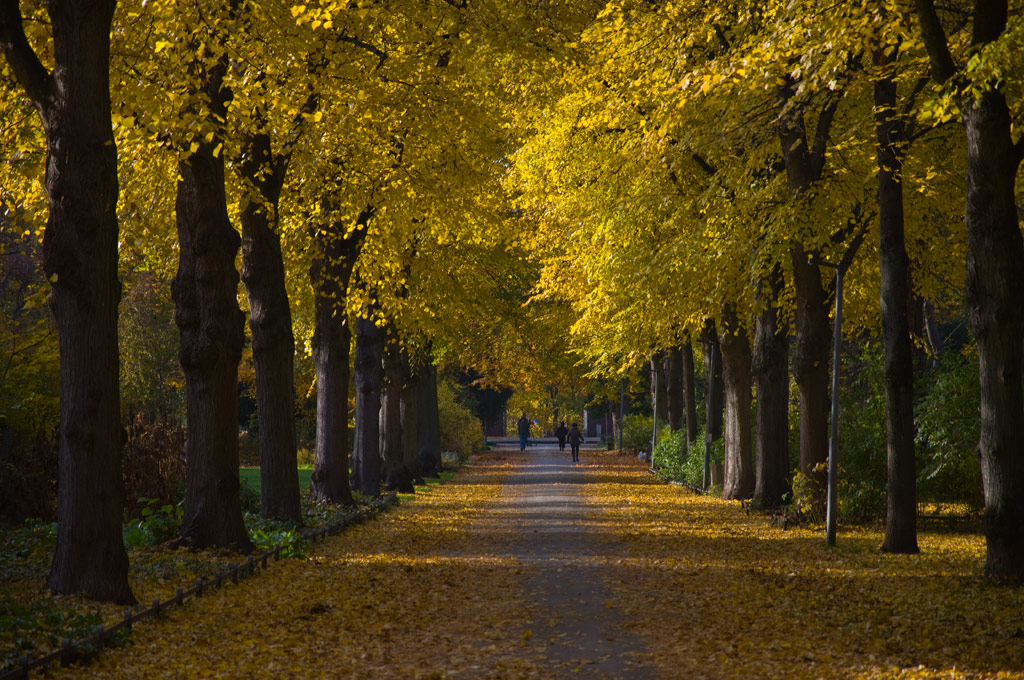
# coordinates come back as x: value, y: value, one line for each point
x: 568, y: 556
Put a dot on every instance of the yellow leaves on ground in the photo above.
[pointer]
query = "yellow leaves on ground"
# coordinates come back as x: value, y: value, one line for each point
x: 722, y: 594
x: 437, y: 589
x: 415, y: 593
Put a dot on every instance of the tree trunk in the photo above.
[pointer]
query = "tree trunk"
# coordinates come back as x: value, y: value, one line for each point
x: 410, y: 419
x: 674, y: 387
x: 369, y: 376
x: 812, y: 329
x: 337, y: 250
x: 901, y: 503
x: 771, y: 350
x: 331, y: 344
x: 995, y: 279
x: 273, y: 344
x: 80, y: 259
x: 810, y: 371
x: 659, y: 398
x: 936, y: 343
x: 428, y: 422
x: 396, y: 475
x: 713, y: 395
x: 739, y: 468
x: 689, y: 393
x: 205, y: 291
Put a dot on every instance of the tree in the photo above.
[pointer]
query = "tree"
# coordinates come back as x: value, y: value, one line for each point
x: 337, y: 250
x: 894, y: 265
x: 995, y: 263
x: 80, y: 259
x: 205, y: 290
x: 369, y: 378
x: 739, y: 465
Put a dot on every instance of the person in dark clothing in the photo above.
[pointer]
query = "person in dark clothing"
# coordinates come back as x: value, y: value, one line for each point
x: 575, y: 439
x: 523, y: 427
x: 561, y: 432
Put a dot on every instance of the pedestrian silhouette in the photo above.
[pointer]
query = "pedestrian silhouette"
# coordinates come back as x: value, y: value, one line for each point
x: 523, y: 426
x: 575, y: 439
x: 561, y: 432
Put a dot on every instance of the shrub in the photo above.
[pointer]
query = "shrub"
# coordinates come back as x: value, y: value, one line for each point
x: 948, y: 432
x: 862, y: 476
x: 636, y: 432
x: 154, y: 461
x: 461, y: 431
x: 28, y: 474
x: 154, y: 525
x: 250, y: 498
x: 670, y: 454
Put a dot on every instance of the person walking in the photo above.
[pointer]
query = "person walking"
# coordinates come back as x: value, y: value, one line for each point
x: 575, y: 439
x: 561, y: 432
x: 523, y: 426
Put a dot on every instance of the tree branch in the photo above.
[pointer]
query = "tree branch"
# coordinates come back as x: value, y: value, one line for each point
x: 25, y: 64
x: 935, y: 41
x: 821, y: 132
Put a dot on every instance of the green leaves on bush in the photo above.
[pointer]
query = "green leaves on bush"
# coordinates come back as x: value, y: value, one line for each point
x: 23, y: 627
x: 154, y: 525
x: 290, y: 540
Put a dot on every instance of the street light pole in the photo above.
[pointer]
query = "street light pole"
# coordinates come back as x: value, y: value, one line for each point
x: 831, y: 507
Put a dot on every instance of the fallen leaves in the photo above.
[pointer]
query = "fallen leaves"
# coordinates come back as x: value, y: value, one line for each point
x: 435, y: 589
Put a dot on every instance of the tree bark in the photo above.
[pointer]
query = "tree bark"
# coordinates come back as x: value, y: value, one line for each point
x: 80, y: 259
x: 674, y: 387
x: 771, y: 370
x: 410, y: 419
x: 901, y: 499
x: 337, y: 250
x: 369, y: 376
x: 332, y: 340
x: 995, y: 277
x: 713, y: 393
x: 689, y: 392
x: 211, y: 325
x: 659, y: 398
x: 428, y: 422
x: 739, y: 469
x: 273, y: 344
x: 396, y: 475
x: 205, y: 292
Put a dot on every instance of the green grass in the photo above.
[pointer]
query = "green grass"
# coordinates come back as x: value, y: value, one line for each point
x: 251, y: 478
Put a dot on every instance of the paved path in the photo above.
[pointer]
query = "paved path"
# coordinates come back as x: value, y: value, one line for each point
x: 569, y: 556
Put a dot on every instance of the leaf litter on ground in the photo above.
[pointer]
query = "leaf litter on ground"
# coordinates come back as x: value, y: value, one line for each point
x: 429, y: 590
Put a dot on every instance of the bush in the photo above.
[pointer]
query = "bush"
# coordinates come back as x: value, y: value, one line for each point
x: 863, y: 476
x: 28, y: 474
x: 948, y: 432
x: 636, y: 432
x: 461, y: 431
x: 670, y: 454
x: 154, y: 462
x: 154, y: 525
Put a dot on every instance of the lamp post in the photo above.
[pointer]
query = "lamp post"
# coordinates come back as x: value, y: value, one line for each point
x: 831, y: 507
